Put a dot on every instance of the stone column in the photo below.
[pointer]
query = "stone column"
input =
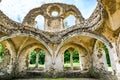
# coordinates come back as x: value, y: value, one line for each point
x: 104, y: 60
x: 37, y: 58
x: 99, y: 56
x: 45, y: 24
x: 113, y: 58
x: 80, y: 62
x: 85, y: 62
x: 27, y: 61
x: 118, y: 58
x: 71, y: 58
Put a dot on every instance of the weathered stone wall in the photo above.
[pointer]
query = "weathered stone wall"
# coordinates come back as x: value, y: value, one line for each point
x: 102, y: 26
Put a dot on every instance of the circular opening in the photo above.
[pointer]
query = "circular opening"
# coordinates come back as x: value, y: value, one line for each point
x: 54, y: 13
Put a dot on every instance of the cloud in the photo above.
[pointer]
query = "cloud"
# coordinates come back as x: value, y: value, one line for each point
x: 17, y: 9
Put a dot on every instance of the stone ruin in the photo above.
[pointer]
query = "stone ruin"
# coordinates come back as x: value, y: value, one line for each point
x: 87, y: 36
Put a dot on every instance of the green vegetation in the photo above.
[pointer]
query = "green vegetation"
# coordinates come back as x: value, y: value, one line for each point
x: 33, y: 57
x: 107, y: 55
x: 1, y: 50
x: 74, y: 64
x: 1, y: 53
x: 41, y: 57
x: 33, y: 65
x: 67, y: 58
x: 75, y: 56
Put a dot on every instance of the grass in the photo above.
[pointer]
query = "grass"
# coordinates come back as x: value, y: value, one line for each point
x: 33, y: 65
x: 109, y: 68
x: 65, y: 65
x: 59, y: 79
x: 74, y: 64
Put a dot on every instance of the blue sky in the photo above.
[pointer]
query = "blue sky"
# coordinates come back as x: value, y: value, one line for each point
x: 17, y: 9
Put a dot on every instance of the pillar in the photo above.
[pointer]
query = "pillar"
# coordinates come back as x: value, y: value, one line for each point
x: 80, y: 62
x: 113, y: 58
x: 37, y: 57
x: 85, y: 62
x: 118, y: 58
x: 104, y: 60
x: 99, y: 56
x: 71, y: 57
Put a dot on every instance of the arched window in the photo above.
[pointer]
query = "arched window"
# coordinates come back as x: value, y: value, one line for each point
x: 69, y: 21
x: 71, y: 60
x: 101, y: 57
x: 37, y: 59
x: 39, y: 22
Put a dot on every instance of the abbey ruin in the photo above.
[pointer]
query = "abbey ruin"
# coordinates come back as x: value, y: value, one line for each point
x: 87, y: 36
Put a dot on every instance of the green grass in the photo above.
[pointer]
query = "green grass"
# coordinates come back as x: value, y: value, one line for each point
x: 33, y: 65
x: 109, y: 68
x: 60, y: 79
x: 65, y: 65
x: 74, y: 64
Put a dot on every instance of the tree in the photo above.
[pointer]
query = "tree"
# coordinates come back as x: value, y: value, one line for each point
x: 66, y: 56
x: 107, y: 55
x: 33, y: 57
x: 75, y: 56
x: 41, y: 57
x: 1, y: 50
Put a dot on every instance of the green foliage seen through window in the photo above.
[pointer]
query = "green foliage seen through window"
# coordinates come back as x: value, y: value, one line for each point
x: 41, y: 57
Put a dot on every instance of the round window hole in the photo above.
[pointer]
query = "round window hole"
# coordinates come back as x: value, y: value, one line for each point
x: 54, y: 13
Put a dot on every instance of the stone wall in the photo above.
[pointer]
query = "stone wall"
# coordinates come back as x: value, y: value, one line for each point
x: 20, y: 39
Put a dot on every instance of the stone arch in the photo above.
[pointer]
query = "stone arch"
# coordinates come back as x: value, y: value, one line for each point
x: 9, y: 45
x: 73, y: 45
x: 99, y: 56
x: 83, y: 54
x: 92, y: 35
x: 47, y: 8
x: 25, y: 53
x: 27, y: 35
x: 30, y: 18
x: 95, y: 36
x: 75, y: 12
x: 69, y: 21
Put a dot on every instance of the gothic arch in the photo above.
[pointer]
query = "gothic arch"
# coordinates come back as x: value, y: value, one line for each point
x: 92, y: 35
x: 9, y: 45
x: 25, y: 53
x: 27, y: 35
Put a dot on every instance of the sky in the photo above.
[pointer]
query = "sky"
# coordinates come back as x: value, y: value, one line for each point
x: 17, y: 9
